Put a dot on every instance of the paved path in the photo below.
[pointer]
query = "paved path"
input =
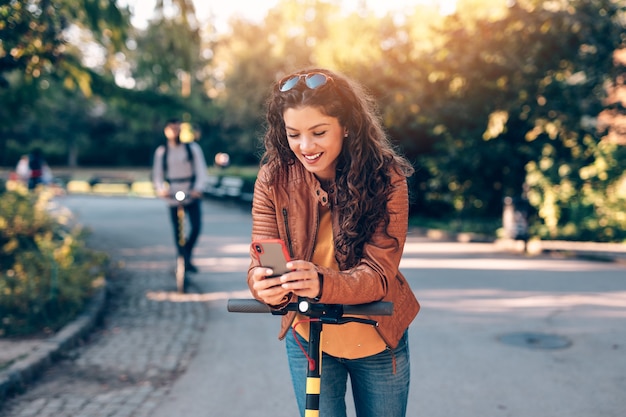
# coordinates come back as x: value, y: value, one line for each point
x: 165, y: 355
x: 147, y: 340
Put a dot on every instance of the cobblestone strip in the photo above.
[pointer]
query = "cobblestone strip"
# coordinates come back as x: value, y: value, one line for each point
x: 129, y: 363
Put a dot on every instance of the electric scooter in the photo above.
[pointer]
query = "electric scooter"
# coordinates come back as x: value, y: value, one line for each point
x: 319, y: 314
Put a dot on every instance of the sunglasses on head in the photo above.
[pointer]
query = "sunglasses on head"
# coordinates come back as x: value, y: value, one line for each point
x: 312, y: 80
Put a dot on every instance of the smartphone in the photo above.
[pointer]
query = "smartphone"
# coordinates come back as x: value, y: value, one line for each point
x: 272, y: 253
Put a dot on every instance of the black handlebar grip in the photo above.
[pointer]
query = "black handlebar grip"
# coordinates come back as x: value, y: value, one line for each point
x: 247, y: 305
x: 379, y: 308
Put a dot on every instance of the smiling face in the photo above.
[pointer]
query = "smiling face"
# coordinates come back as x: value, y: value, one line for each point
x: 315, y: 138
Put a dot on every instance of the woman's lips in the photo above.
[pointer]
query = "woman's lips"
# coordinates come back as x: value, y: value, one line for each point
x: 312, y: 157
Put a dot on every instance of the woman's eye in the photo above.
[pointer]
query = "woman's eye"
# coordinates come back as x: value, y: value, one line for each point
x: 293, y: 135
x: 319, y: 133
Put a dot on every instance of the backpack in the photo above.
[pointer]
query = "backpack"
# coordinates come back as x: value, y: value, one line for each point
x: 191, y: 160
x: 36, y: 166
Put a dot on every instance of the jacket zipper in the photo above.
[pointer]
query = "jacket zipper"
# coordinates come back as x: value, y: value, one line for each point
x: 316, y: 229
x: 289, y: 247
x: 286, y: 223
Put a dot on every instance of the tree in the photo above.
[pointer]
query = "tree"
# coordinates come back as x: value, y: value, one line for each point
x: 34, y: 51
x: 253, y: 56
x: 516, y: 109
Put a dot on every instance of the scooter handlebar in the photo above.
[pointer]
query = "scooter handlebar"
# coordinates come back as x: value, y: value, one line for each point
x: 247, y: 305
x: 378, y: 308
x: 250, y: 305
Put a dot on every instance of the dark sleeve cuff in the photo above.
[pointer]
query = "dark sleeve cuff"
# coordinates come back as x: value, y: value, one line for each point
x: 321, y: 278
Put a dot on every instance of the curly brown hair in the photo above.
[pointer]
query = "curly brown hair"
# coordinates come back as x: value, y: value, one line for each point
x: 364, y: 165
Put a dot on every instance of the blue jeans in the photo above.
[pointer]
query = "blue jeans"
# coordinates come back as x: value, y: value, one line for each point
x: 376, y: 389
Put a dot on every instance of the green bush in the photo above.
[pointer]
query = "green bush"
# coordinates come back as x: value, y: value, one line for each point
x: 47, y: 274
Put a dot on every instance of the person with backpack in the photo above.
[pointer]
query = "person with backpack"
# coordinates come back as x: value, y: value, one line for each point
x: 181, y: 166
x: 33, y: 169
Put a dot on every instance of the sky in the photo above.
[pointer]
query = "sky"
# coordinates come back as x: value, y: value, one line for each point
x: 255, y: 10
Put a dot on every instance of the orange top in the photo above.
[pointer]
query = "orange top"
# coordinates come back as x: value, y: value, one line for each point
x: 350, y: 340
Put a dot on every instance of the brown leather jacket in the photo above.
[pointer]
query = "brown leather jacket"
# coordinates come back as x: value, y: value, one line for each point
x: 289, y: 210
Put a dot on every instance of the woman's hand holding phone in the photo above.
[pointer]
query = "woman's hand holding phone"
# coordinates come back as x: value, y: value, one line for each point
x: 273, y: 256
x: 302, y: 281
x: 278, y: 276
x: 267, y: 286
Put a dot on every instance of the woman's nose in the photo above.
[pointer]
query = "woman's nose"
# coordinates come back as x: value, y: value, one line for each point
x: 307, y: 143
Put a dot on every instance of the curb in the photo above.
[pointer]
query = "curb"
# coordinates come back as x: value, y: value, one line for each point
x: 15, y: 378
x: 590, y: 251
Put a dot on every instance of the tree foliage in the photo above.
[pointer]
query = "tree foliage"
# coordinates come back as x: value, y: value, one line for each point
x: 526, y: 100
x: 34, y: 36
x: 35, y: 54
x: 488, y: 102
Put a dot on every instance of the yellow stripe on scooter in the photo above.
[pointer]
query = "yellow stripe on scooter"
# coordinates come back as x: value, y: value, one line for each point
x: 313, y: 385
x: 311, y: 413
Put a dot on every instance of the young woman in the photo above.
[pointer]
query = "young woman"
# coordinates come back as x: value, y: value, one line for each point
x: 333, y: 188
